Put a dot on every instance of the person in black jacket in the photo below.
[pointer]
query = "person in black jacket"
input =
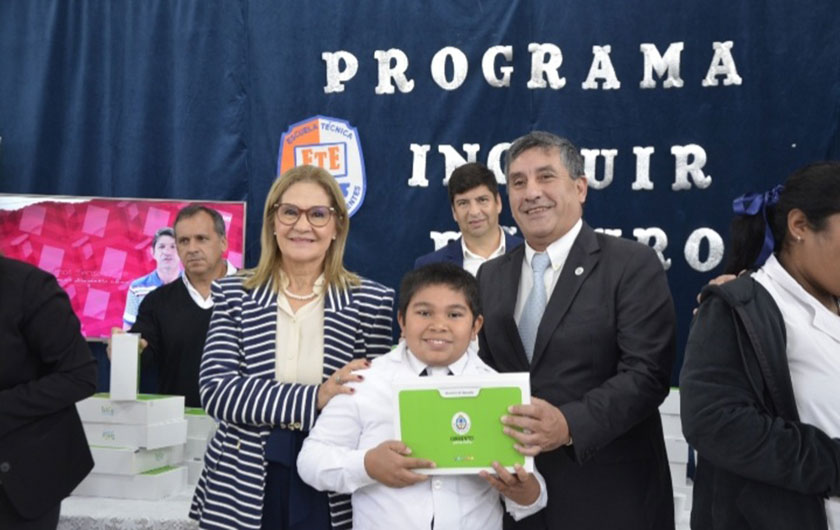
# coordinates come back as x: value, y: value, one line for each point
x: 45, y: 368
x: 758, y: 383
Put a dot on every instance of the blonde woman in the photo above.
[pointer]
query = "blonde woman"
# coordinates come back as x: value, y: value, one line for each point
x: 284, y: 339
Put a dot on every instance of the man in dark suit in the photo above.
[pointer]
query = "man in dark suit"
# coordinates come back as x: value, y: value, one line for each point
x: 476, y: 205
x: 45, y: 368
x: 591, y: 317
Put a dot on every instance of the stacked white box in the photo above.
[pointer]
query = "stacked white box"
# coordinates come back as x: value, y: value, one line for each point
x: 138, y: 446
x: 677, y: 449
x: 200, y: 428
x: 151, y: 485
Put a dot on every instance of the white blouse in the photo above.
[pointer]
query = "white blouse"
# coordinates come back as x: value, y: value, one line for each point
x: 813, y: 351
x: 299, y: 355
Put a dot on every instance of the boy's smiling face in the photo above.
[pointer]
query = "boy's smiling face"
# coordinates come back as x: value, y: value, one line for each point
x: 438, y: 325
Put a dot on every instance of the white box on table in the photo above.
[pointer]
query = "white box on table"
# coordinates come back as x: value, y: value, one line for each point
x: 124, y: 365
x: 145, y: 410
x: 194, y: 468
x: 677, y: 449
x: 671, y: 405
x: 195, y: 448
x: 151, y: 485
x: 152, y: 436
x: 132, y: 461
x: 199, y: 423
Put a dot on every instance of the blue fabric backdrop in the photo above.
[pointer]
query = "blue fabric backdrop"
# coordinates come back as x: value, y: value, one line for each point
x: 189, y: 99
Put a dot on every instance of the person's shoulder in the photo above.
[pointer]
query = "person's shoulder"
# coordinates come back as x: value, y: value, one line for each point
x: 13, y: 268
x: 367, y: 287
x: 448, y: 252
x: 144, y: 281
x: 24, y: 276
x: 234, y: 282
x: 511, y: 242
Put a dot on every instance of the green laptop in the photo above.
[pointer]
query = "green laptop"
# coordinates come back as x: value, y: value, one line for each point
x: 455, y: 421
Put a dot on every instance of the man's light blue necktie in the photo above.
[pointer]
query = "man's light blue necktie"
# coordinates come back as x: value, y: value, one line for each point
x: 534, y: 308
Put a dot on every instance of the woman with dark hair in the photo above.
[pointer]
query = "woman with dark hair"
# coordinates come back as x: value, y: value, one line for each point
x: 759, y: 384
x: 283, y: 340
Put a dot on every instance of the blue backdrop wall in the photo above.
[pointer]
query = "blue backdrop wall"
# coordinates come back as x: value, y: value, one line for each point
x: 679, y: 106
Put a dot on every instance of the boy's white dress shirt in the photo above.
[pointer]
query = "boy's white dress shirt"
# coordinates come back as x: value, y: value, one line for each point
x: 333, y: 455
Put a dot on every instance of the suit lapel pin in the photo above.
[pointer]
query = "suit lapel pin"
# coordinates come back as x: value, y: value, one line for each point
x: 578, y: 271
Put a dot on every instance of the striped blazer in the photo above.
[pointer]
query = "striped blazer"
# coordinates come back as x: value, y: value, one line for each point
x: 237, y: 387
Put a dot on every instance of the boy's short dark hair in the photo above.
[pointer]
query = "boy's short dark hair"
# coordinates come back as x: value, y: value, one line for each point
x: 468, y: 176
x: 165, y: 231
x: 446, y: 274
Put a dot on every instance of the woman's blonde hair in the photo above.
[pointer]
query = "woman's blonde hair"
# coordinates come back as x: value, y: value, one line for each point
x: 269, y: 267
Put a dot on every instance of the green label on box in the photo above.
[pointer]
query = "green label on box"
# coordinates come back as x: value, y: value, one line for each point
x: 459, y: 432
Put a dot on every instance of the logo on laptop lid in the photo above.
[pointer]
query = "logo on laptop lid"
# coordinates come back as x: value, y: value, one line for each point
x: 332, y: 144
x: 461, y: 423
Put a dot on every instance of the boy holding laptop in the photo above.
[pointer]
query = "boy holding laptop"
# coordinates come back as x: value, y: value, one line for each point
x: 351, y: 448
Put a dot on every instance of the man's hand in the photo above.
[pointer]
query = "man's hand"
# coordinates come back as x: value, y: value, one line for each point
x: 522, y: 487
x: 140, y: 346
x: 389, y: 464
x: 335, y: 384
x: 544, y: 427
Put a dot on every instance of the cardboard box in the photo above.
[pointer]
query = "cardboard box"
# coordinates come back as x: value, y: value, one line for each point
x: 671, y: 405
x: 152, y: 436
x: 677, y: 449
x: 195, y: 448
x: 145, y: 410
x: 124, y: 365
x: 671, y: 426
x: 131, y: 461
x: 678, y: 475
x: 194, y: 468
x: 151, y: 485
x: 199, y: 424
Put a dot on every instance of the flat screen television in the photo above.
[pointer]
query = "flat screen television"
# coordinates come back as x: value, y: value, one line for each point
x: 96, y: 246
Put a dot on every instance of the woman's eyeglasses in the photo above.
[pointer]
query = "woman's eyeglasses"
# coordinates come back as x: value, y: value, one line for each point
x: 318, y: 216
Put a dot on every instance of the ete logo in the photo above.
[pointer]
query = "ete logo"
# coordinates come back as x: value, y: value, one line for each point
x: 461, y: 423
x: 332, y: 144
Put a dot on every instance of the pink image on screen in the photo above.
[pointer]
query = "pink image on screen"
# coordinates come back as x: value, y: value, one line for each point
x: 87, y: 251
x: 227, y: 217
x: 32, y: 219
x: 235, y: 259
x: 26, y: 249
x: 96, y: 303
x: 113, y: 263
x: 51, y: 258
x: 70, y: 289
x: 96, y: 219
x: 155, y: 218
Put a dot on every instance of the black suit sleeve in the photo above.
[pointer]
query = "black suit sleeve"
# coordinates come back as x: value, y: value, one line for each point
x: 645, y: 340
x: 50, y: 332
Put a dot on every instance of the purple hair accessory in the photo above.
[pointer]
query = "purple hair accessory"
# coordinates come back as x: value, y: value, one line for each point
x: 752, y: 204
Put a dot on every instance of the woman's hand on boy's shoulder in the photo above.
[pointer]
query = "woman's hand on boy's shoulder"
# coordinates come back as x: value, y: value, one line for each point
x: 390, y: 464
x: 521, y: 487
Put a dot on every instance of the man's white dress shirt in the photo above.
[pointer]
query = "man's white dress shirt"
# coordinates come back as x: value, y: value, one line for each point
x: 332, y: 458
x: 473, y: 261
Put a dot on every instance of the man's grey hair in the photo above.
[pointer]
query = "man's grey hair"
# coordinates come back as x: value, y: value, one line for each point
x: 569, y: 152
x: 193, y: 209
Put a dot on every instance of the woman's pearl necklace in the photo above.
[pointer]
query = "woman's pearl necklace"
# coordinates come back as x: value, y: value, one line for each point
x: 309, y: 296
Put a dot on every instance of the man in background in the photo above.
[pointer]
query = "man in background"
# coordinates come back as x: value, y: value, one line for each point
x: 164, y: 253
x: 173, y: 319
x: 476, y: 205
